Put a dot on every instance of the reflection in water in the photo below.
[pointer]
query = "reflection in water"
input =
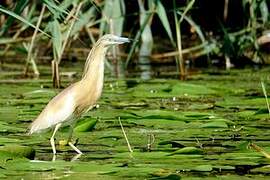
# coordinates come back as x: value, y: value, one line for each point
x: 145, y: 67
x: 74, y: 158
x: 54, y: 157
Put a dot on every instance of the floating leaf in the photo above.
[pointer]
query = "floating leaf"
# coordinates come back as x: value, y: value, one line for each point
x: 18, y: 150
x: 168, y: 177
x: 204, y: 168
x: 264, y: 169
x: 215, y: 124
x: 220, y: 168
x: 262, y: 111
x: 86, y: 125
x: 188, y: 150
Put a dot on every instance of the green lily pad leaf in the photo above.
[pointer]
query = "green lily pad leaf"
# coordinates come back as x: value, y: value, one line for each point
x: 86, y: 125
x: 7, y: 157
x: 4, y: 140
x: 261, y: 111
x: 200, y: 106
x: 215, y: 124
x: 178, y: 89
x: 95, y: 168
x: 188, y: 150
x: 242, y: 103
x: 170, y: 115
x: 2, y: 175
x: 220, y: 168
x: 244, y: 146
x: 4, y: 127
x: 22, y: 165
x: 188, y: 89
x: 246, y: 113
x: 203, y: 168
x: 128, y: 104
x: 22, y: 151
x: 264, y: 169
x: 151, y: 90
x: 168, y: 177
x: 159, y: 114
x: 172, y: 143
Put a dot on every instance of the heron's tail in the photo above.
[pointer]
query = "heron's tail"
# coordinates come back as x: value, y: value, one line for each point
x: 36, y: 126
x: 32, y: 128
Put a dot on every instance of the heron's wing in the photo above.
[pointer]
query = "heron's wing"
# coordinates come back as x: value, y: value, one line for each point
x: 58, y: 110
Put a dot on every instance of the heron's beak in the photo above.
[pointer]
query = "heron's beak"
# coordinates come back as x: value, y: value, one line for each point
x: 121, y: 40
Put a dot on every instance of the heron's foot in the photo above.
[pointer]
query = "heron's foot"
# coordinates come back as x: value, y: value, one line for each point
x: 74, y: 148
x: 71, y: 144
x: 65, y: 142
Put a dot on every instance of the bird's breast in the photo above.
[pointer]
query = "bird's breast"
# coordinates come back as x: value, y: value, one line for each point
x: 88, y: 93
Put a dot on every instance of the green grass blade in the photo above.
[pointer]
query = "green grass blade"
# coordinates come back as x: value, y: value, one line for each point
x: 56, y: 9
x: 189, y: 6
x: 177, y: 31
x: 20, y: 5
x: 265, y: 95
x: 136, y: 39
x: 164, y: 20
x: 10, y: 13
x: 264, y: 11
x: 55, y: 29
x: 113, y: 12
x: 84, y: 19
x: 193, y: 24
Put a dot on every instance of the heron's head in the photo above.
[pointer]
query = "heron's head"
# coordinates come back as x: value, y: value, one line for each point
x: 110, y: 39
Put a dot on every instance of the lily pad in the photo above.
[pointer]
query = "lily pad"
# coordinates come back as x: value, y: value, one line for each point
x: 18, y: 150
x: 203, y: 168
x: 215, y: 124
x: 188, y: 150
x: 86, y: 125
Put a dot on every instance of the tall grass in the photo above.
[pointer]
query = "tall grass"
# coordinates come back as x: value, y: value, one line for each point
x: 60, y: 23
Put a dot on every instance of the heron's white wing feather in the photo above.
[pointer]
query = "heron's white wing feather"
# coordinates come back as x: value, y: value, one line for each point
x: 58, y: 110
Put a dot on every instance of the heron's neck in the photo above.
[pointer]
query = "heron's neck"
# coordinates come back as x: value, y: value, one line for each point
x: 94, y: 66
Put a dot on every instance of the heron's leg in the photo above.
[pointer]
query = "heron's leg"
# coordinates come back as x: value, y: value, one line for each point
x: 70, y: 132
x: 74, y: 148
x: 52, y: 138
x: 69, y: 138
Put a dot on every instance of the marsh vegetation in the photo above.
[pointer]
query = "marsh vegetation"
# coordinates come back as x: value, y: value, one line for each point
x: 190, y: 90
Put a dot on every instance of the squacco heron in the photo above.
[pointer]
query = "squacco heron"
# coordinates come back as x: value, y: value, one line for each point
x: 79, y: 97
